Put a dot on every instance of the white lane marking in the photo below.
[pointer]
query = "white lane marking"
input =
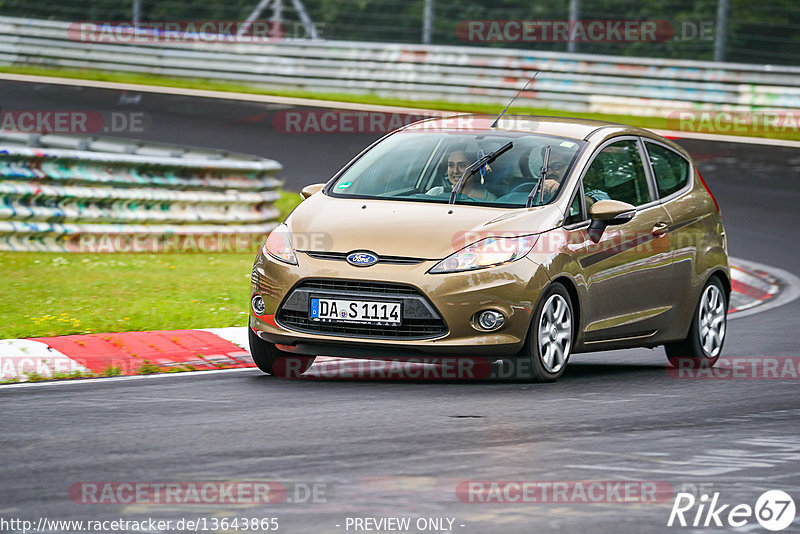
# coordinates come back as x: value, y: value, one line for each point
x: 332, y: 104
x: 106, y: 380
x: 789, y: 287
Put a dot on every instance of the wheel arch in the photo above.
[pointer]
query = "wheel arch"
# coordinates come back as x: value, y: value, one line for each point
x: 724, y: 280
x: 721, y: 275
x: 572, y: 291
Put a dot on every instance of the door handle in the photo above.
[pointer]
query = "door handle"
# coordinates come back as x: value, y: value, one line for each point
x: 660, y: 228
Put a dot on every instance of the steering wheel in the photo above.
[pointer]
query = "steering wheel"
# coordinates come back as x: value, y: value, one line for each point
x: 522, y: 186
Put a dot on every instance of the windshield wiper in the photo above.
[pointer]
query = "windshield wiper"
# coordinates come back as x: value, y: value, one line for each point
x: 472, y: 169
x: 540, y: 181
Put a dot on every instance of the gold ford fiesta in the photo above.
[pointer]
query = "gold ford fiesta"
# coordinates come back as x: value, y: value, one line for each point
x: 526, y: 239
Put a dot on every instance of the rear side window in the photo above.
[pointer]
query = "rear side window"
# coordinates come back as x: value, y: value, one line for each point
x: 617, y: 173
x: 671, y: 169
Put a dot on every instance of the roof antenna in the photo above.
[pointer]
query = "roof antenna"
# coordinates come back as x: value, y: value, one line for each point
x: 494, y: 124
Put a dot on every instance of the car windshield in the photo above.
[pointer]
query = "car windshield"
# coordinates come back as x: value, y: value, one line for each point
x: 424, y: 167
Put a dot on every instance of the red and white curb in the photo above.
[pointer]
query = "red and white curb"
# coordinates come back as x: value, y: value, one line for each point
x: 749, y: 288
x: 127, y: 353
x: 756, y: 288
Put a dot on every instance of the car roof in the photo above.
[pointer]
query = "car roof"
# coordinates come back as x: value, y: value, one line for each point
x: 558, y: 126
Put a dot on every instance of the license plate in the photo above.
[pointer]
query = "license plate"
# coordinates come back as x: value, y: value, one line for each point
x: 355, y: 311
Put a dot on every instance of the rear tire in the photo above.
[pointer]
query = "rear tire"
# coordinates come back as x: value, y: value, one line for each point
x: 703, y: 344
x: 275, y: 362
x: 550, y: 337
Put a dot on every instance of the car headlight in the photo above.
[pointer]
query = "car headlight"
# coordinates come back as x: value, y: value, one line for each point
x: 279, y: 245
x: 487, y: 252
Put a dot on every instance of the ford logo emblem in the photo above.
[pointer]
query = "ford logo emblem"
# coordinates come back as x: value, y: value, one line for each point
x: 362, y: 259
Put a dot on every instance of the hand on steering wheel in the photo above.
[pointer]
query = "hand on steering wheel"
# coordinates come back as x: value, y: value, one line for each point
x: 550, y: 187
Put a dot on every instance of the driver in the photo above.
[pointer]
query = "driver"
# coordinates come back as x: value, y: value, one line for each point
x: 556, y: 169
x: 458, y: 160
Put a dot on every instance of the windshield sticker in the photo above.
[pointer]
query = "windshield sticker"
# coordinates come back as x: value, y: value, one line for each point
x: 567, y: 144
x: 344, y: 185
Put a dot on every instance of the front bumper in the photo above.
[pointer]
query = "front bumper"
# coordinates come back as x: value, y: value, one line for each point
x: 511, y: 289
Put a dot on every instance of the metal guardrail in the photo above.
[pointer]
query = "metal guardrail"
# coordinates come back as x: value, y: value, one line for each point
x: 156, y: 199
x: 590, y: 83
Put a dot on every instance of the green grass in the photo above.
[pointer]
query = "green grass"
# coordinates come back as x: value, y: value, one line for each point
x: 212, y: 85
x: 148, y: 368
x: 33, y: 376
x: 287, y: 202
x: 49, y: 294
x: 53, y: 294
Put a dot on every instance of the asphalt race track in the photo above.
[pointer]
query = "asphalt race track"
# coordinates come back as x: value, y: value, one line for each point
x: 384, y: 448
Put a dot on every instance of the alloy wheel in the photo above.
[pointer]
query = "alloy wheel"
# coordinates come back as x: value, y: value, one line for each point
x: 555, y: 333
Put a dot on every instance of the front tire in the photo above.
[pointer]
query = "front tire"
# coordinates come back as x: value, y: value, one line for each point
x: 550, y: 337
x: 275, y: 362
x: 703, y: 344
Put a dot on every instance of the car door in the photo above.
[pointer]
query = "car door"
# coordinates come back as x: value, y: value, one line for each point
x: 626, y: 273
x: 692, y: 232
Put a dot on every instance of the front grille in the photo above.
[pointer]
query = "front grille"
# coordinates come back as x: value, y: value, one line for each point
x: 342, y: 256
x: 380, y: 288
x: 420, y: 319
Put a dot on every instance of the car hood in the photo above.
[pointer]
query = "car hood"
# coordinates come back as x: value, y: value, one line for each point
x: 408, y: 229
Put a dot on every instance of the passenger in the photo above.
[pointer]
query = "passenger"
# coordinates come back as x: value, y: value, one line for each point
x: 457, y: 162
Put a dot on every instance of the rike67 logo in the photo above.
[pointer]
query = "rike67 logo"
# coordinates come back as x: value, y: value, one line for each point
x: 774, y: 510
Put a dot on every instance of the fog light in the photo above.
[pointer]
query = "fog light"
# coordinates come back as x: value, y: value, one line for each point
x: 258, y: 305
x: 490, y: 320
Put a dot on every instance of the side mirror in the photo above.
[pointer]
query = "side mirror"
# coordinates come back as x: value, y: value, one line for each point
x: 606, y: 213
x: 309, y: 190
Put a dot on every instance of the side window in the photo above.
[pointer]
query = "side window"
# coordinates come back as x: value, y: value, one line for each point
x: 671, y: 169
x: 617, y: 173
x: 575, y: 214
